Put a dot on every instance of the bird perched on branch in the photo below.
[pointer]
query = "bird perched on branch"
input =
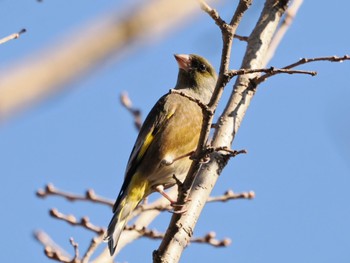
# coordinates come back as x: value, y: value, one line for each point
x: 167, y: 138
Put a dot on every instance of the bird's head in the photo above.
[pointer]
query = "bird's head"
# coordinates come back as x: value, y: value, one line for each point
x: 197, y: 75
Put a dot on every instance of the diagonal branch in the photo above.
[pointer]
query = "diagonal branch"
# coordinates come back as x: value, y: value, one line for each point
x: 83, y: 222
x: 282, y: 30
x: 95, y: 242
x: 12, y: 36
x: 136, y: 113
x: 51, y: 190
x: 44, y: 239
x: 181, y: 226
x: 48, y: 71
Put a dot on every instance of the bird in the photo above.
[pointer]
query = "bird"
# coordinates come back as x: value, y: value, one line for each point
x: 165, y: 141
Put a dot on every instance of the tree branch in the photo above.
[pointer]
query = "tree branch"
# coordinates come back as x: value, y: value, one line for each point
x: 270, y: 71
x: 84, y: 221
x: 207, y: 239
x: 230, y: 195
x: 47, y: 71
x: 51, y: 190
x: 309, y: 60
x: 76, y: 250
x: 136, y: 113
x: 302, y: 61
x: 12, y: 36
x: 181, y: 226
x: 95, y: 242
x: 50, y: 245
x: 281, y: 31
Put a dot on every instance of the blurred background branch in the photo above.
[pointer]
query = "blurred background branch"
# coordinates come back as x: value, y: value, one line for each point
x: 12, y: 36
x: 45, y: 72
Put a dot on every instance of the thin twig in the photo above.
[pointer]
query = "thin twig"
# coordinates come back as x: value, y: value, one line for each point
x: 76, y: 249
x: 71, y: 219
x: 298, y: 63
x: 56, y: 255
x: 309, y: 60
x: 241, y: 38
x: 230, y: 195
x: 95, y: 242
x: 232, y: 153
x: 12, y: 36
x: 271, y: 71
x: 207, y: 239
x: 44, y: 239
x: 205, y: 155
x: 90, y: 195
x: 136, y: 113
x: 53, y: 251
x: 210, y: 239
x: 213, y: 14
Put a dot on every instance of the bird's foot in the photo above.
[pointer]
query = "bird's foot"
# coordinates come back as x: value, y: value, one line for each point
x: 178, y: 208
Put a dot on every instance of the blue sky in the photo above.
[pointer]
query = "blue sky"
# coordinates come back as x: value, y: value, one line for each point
x: 297, y: 133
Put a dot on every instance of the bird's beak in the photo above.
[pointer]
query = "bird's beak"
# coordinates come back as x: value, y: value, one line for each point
x: 184, y: 61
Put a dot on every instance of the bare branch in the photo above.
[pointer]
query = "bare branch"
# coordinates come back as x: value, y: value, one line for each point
x: 76, y: 249
x: 56, y: 255
x: 298, y: 63
x: 44, y: 239
x: 55, y: 252
x: 241, y: 38
x: 70, y: 219
x: 241, y: 8
x: 213, y: 14
x: 182, y: 226
x: 309, y: 60
x: 270, y: 71
x: 95, y: 242
x: 90, y: 195
x: 232, y: 153
x: 12, y: 36
x: 230, y: 195
x: 207, y: 239
x: 136, y: 113
x: 211, y: 240
x: 281, y: 31
x: 47, y: 71
x: 227, y: 196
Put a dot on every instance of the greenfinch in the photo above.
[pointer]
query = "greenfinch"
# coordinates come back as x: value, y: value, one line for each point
x: 166, y: 139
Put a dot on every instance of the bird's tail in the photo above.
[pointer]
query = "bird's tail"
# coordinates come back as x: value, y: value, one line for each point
x: 118, y: 222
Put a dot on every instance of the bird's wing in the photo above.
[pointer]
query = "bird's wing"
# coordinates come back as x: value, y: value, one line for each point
x: 156, y: 119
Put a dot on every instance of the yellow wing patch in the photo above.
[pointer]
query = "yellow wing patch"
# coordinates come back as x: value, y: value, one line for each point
x: 149, y: 138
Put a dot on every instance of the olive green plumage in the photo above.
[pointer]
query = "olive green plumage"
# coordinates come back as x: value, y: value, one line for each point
x: 170, y: 130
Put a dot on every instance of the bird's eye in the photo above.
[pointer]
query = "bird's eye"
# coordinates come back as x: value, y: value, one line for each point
x: 202, y: 67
